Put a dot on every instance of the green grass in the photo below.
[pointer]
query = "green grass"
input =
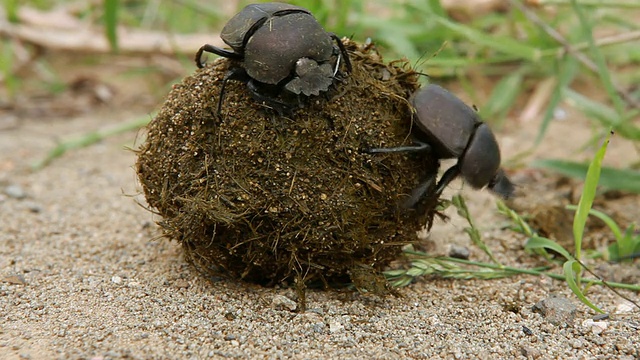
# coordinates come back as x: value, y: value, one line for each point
x: 517, y: 48
x: 627, y: 244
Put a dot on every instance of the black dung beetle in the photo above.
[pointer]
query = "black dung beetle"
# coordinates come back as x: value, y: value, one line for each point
x: 448, y: 128
x: 279, y: 46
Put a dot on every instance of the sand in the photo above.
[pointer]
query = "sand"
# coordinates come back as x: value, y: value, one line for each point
x: 84, y: 276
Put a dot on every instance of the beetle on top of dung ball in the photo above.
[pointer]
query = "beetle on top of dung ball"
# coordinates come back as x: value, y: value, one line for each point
x: 281, y: 52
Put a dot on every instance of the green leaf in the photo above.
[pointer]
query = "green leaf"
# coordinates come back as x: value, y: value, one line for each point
x: 604, y: 114
x: 628, y: 243
x: 610, y: 178
x: 615, y: 229
x: 567, y: 71
x: 588, y: 194
x: 603, y: 69
x: 11, y: 7
x: 111, y: 22
x: 502, y: 44
x: 572, y: 271
x: 538, y: 242
x: 503, y: 96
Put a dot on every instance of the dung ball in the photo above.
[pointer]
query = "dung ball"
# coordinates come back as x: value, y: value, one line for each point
x: 271, y: 199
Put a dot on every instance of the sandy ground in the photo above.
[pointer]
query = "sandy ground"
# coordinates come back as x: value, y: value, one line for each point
x: 84, y: 276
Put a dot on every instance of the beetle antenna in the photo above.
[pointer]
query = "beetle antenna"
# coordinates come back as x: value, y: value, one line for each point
x: 343, y: 50
x: 423, y: 59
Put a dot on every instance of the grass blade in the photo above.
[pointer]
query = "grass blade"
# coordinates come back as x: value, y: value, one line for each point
x: 472, y: 229
x: 89, y: 139
x: 567, y: 71
x: 603, y: 70
x: 588, y: 194
x: 572, y: 271
x: 111, y: 22
x: 502, y: 44
x: 615, y: 229
x: 610, y: 178
x: 503, y: 97
x: 604, y: 114
x: 538, y: 242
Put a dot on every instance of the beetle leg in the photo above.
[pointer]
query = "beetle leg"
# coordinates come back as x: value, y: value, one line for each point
x: 215, y: 50
x: 418, y: 146
x: 238, y: 74
x: 446, y: 178
x: 418, y: 193
x: 343, y: 51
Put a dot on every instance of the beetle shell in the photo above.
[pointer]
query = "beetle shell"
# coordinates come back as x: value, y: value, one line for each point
x: 481, y: 161
x: 236, y: 30
x: 446, y: 121
x: 284, y: 32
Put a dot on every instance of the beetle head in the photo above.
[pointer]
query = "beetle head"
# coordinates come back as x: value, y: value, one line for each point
x: 501, y: 185
x: 311, y: 78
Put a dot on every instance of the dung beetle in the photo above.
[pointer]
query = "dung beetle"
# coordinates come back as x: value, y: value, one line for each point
x: 278, y: 46
x: 448, y: 128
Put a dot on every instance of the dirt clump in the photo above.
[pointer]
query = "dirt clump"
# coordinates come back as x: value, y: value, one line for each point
x: 270, y: 199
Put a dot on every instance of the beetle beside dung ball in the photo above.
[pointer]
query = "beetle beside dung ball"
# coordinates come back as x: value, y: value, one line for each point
x: 279, y: 47
x: 447, y: 128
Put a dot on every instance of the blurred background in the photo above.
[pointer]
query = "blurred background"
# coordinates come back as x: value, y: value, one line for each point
x: 552, y: 77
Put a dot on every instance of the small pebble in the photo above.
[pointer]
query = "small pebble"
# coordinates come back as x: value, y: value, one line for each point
x: 181, y: 284
x: 558, y: 310
x: 15, y: 279
x: 530, y: 352
x: 596, y: 327
x: 280, y: 302
x: 624, y: 307
x: 33, y: 207
x: 600, y: 317
x: 335, y: 326
x: 459, y: 252
x: 15, y: 191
